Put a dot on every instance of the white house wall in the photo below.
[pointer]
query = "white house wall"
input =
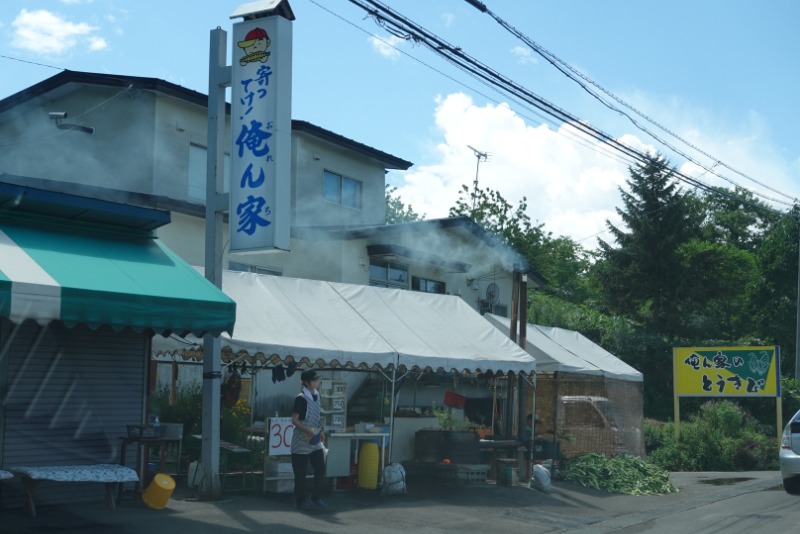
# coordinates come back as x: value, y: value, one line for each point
x: 77, y: 157
x: 311, y: 158
x: 141, y: 144
x: 177, y: 125
x: 348, y: 262
x: 185, y: 236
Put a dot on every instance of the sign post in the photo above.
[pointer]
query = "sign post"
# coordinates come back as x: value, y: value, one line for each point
x: 258, y: 204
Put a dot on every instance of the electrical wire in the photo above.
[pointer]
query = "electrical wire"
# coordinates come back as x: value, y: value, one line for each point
x: 576, y: 76
x: 36, y: 135
x: 455, y: 55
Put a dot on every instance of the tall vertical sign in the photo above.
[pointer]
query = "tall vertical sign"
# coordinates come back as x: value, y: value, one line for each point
x: 261, y: 129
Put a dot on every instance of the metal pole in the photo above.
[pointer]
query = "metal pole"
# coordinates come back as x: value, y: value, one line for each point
x: 480, y: 156
x: 216, y: 204
x: 391, y: 415
x: 797, y: 310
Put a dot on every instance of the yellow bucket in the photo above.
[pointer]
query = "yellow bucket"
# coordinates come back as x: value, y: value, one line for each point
x: 159, y: 491
x: 368, y: 466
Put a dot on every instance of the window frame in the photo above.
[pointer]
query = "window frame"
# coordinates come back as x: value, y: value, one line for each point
x: 387, y: 281
x: 342, y: 185
x: 417, y: 281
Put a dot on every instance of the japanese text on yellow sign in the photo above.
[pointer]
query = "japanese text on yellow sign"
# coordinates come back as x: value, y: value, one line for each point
x: 727, y: 371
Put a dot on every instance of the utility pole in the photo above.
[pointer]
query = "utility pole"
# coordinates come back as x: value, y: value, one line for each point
x: 797, y: 310
x: 481, y: 156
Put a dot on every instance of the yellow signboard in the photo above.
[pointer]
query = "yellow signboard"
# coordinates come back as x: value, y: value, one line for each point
x: 727, y: 371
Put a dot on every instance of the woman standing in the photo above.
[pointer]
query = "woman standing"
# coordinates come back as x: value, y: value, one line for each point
x: 307, y: 442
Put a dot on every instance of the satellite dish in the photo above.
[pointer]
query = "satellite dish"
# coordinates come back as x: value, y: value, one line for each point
x: 492, y: 293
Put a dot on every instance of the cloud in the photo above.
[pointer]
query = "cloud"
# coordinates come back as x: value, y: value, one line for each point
x: 524, y: 55
x: 97, y: 43
x: 46, y: 33
x: 448, y: 19
x: 570, y: 183
x: 387, y: 46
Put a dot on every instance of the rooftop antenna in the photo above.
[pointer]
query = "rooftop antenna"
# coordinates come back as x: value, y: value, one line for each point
x: 481, y: 156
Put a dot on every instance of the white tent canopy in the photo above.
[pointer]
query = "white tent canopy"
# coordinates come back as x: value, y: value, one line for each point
x: 341, y: 325
x: 558, y: 349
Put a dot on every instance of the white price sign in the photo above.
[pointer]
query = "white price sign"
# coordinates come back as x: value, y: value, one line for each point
x: 280, y: 436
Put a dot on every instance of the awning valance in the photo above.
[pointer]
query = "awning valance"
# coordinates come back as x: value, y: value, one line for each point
x: 83, y: 274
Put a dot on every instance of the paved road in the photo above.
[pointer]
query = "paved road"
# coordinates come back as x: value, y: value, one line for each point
x: 707, y: 502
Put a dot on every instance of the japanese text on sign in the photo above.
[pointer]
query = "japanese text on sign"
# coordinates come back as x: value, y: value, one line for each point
x: 727, y: 371
x: 260, y: 135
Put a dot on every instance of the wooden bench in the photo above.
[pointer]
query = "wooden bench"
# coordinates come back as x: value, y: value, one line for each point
x: 109, y: 474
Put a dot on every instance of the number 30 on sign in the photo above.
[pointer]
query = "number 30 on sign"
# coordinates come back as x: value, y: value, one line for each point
x: 280, y: 436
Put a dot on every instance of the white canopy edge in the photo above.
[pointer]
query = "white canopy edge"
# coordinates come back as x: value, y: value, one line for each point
x: 353, y: 326
x: 558, y: 349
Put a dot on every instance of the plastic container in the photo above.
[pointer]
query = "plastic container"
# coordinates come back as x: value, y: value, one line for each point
x: 159, y: 491
x: 195, y: 474
x: 368, y: 466
x: 507, y: 472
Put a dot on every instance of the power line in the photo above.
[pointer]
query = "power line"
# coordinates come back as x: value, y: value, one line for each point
x: 573, y: 74
x: 541, y: 118
x: 37, y: 135
x: 407, y: 29
x: 31, y: 62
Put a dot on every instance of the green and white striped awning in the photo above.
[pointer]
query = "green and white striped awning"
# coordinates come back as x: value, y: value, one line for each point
x: 83, y: 274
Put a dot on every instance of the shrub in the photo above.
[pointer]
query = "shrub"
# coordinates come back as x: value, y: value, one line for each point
x: 188, y: 409
x: 721, y: 436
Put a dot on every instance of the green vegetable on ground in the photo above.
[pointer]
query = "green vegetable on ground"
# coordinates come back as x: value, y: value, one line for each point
x: 625, y: 474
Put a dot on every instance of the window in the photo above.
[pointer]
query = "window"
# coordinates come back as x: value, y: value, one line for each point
x: 385, y: 274
x: 246, y: 268
x: 427, y: 286
x: 341, y: 190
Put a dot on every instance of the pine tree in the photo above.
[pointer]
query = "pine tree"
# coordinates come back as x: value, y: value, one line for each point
x: 641, y: 277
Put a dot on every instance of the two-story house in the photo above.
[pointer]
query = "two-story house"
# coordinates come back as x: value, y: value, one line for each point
x: 143, y: 141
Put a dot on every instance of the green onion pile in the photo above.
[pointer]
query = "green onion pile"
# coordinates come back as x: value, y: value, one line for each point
x: 621, y: 474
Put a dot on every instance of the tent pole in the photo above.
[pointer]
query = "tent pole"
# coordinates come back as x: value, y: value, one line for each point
x: 391, y: 415
x: 557, y: 378
x: 533, y: 426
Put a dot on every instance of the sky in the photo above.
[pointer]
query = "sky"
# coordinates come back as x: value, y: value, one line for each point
x: 716, y: 82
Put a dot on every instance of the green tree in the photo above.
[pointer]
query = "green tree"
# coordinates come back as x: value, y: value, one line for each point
x: 561, y: 261
x: 396, y: 211
x: 718, y: 282
x: 641, y: 276
x: 737, y: 218
x: 565, y: 265
x: 496, y: 215
x: 774, y: 304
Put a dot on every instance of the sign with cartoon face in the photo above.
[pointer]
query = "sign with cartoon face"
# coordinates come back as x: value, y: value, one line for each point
x: 261, y: 127
x: 254, y: 47
x: 727, y: 371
